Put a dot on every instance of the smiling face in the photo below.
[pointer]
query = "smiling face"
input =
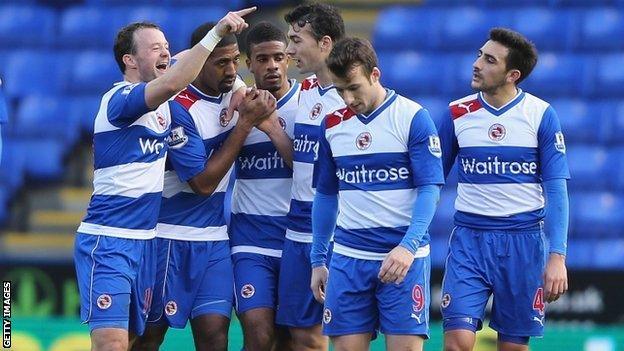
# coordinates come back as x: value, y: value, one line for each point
x: 269, y: 63
x: 489, y: 71
x: 219, y: 72
x: 150, y: 55
x: 305, y: 49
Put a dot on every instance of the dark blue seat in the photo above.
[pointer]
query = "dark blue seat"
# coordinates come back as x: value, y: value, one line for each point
x: 437, y: 107
x: 588, y: 166
x: 548, y: 29
x: 458, y: 83
x: 559, y: 75
x: 178, y: 32
x: 83, y: 109
x: 616, y: 177
x: 468, y: 27
x: 609, y: 78
x: 600, y: 28
x: 88, y: 27
x: 93, y: 72
x: 597, y: 214
x: 581, y: 121
x: 32, y: 26
x: 412, y: 73
x: 44, y: 161
x: 12, y: 166
x: 615, y: 113
x: 407, y: 28
x: 35, y: 72
x: 609, y: 253
x: 46, y: 117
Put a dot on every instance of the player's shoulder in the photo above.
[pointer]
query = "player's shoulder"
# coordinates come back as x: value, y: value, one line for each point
x: 464, y: 106
x: 534, y: 101
x: 309, y: 83
x: 186, y: 98
x: 335, y: 118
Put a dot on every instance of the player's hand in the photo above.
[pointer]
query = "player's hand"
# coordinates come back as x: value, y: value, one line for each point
x: 319, y: 282
x: 235, y: 101
x: 555, y: 277
x: 233, y: 22
x: 270, y: 124
x: 395, y: 266
x: 256, y: 106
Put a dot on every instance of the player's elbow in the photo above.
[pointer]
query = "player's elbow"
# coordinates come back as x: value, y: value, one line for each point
x: 202, y: 188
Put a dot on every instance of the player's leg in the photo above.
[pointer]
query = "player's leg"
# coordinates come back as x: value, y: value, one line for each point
x: 465, y: 288
x: 283, y: 339
x: 212, y: 306
x: 351, y: 315
x: 297, y: 307
x: 105, y: 270
x: 152, y: 338
x: 519, y: 315
x: 142, y: 293
x: 404, y: 308
x: 256, y: 278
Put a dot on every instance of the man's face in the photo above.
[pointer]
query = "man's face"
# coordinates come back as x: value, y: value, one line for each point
x: 304, y: 48
x: 268, y: 63
x: 151, y: 53
x: 358, y: 90
x: 489, y: 71
x: 219, y: 71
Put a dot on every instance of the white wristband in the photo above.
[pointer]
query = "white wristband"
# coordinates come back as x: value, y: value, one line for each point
x: 210, y: 40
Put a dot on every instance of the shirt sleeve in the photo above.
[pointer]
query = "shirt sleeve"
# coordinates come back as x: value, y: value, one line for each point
x: 552, y: 158
x: 449, y: 143
x: 187, y: 153
x: 326, y: 181
x: 425, y: 150
x: 127, y: 105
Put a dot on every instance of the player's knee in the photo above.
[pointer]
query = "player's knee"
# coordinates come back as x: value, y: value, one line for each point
x: 308, y: 340
x: 112, y: 344
x: 456, y: 344
x: 215, y: 340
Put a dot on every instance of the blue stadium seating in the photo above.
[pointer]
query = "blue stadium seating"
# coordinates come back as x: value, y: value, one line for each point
x: 461, y: 75
x: 27, y: 26
x: 178, y: 32
x: 588, y: 165
x: 35, y: 72
x: 46, y: 117
x: 87, y: 27
x: 615, y: 112
x: 84, y: 109
x: 596, y: 214
x: 437, y: 107
x: 45, y: 158
x: 392, y: 32
x: 608, y: 254
x: 468, y: 27
x: 12, y: 166
x: 600, y: 29
x: 93, y: 72
x: 559, y: 75
x: 581, y: 121
x: 547, y: 28
x: 609, y: 78
x: 412, y: 73
x: 616, y: 177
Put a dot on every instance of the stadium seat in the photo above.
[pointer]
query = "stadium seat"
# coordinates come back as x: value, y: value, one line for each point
x: 408, y: 28
x: 468, y: 27
x: 584, y: 3
x: 580, y: 253
x: 616, y: 178
x: 27, y: 26
x: 609, y: 253
x: 84, y: 109
x: 45, y: 158
x: 600, y: 27
x: 458, y: 82
x: 597, y: 214
x: 93, y: 72
x: 178, y: 32
x: 34, y: 72
x: 559, y: 75
x: 588, y: 165
x: 615, y: 112
x: 88, y: 27
x: 437, y: 107
x: 581, y: 121
x: 12, y: 166
x: 609, y: 79
x: 230, y: 4
x: 46, y: 117
x: 549, y: 30
x: 411, y: 73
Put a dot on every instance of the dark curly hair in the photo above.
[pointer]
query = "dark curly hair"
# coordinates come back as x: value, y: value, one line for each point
x: 522, y: 52
x: 323, y: 19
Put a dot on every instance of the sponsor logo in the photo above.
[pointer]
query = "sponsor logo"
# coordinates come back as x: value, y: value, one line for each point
x: 434, y: 146
x: 560, y: 142
x: 270, y: 161
x: 171, y: 308
x: 494, y: 166
x: 361, y: 174
x: 223, y: 118
x: 305, y: 145
x: 416, y: 317
x: 104, y: 301
x: 446, y: 300
x: 363, y: 141
x: 151, y: 146
x: 248, y: 291
x: 161, y: 120
x: 464, y: 106
x: 497, y: 132
x: 327, y: 316
x: 316, y: 110
x: 539, y: 320
x: 177, y: 138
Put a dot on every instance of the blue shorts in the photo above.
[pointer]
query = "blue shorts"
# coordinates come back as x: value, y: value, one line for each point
x: 115, y: 279
x: 357, y: 302
x: 255, y: 281
x: 297, y: 307
x: 194, y: 278
x: 508, y: 264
